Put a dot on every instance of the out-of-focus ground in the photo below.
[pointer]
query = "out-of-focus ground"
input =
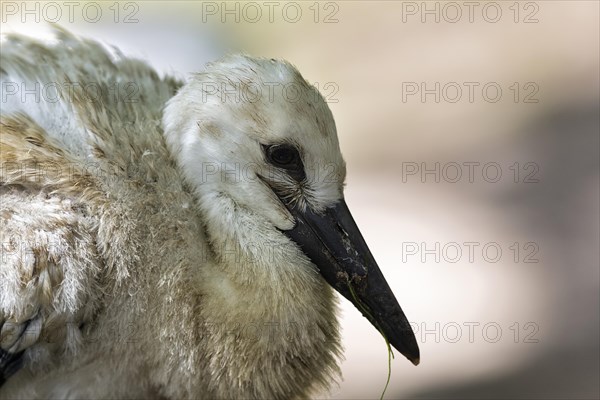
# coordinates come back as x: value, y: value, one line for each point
x: 520, y: 324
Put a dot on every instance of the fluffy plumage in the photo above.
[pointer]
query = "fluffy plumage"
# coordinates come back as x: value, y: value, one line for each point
x: 136, y: 260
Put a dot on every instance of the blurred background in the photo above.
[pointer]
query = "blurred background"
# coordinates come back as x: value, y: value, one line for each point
x: 471, y: 134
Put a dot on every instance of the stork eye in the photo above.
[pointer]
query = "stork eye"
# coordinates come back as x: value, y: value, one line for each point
x: 287, y: 157
x: 283, y: 156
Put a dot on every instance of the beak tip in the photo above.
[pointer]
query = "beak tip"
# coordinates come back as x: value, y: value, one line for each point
x: 411, y: 351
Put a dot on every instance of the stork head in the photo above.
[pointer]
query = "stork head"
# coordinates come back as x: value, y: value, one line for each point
x: 253, y: 134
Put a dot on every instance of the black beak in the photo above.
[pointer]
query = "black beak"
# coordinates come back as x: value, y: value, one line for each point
x: 335, y: 245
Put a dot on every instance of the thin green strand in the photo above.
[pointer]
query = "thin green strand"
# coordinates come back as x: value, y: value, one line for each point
x: 364, y: 310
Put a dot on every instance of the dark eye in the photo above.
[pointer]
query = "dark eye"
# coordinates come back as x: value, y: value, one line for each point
x: 287, y: 157
x: 283, y: 156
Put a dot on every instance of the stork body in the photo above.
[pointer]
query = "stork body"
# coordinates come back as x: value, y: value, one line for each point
x: 143, y: 253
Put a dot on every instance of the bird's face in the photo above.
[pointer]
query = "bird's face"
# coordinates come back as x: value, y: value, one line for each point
x: 255, y: 132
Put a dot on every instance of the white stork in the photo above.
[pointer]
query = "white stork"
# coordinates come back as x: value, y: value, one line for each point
x: 173, y: 240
